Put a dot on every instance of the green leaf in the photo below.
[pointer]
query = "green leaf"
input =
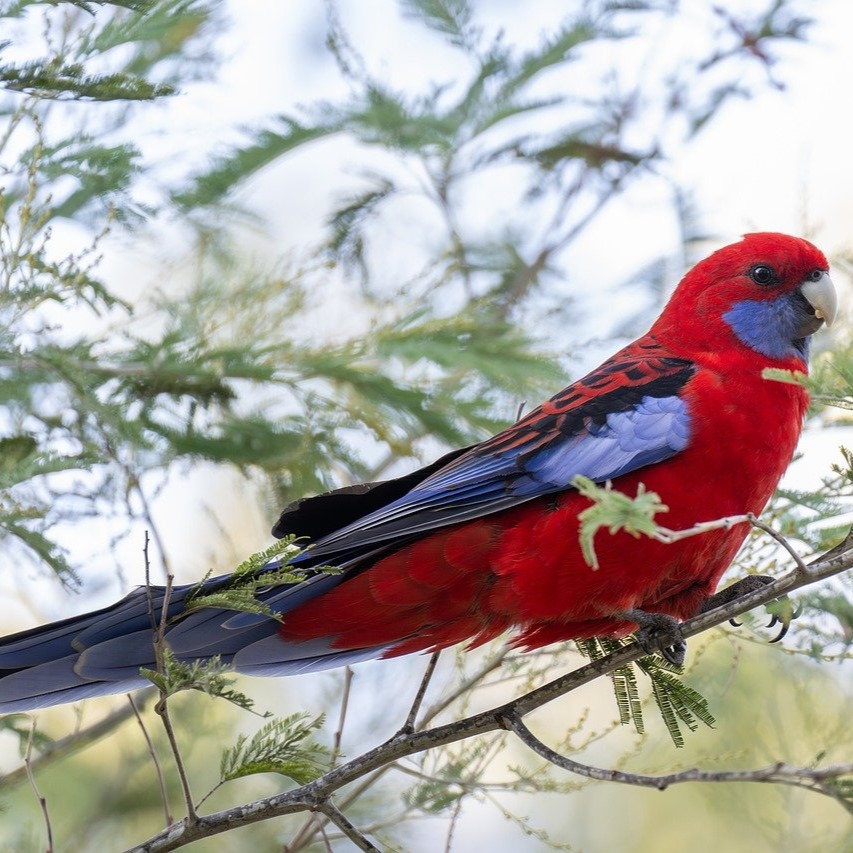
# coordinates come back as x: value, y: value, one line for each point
x: 46, y: 550
x: 254, y: 573
x: 347, y: 223
x: 556, y: 50
x: 452, y: 18
x: 49, y: 79
x: 577, y: 146
x: 628, y: 697
x: 268, y: 145
x: 281, y: 746
x: 207, y: 676
x: 678, y: 703
x: 615, y: 511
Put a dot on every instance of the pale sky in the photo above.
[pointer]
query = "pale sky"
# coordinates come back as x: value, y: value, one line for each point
x: 781, y: 161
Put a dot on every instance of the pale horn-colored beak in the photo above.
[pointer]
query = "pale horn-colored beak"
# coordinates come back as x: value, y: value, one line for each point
x: 820, y: 294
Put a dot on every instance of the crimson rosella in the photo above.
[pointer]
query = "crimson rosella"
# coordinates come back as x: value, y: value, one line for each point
x: 486, y: 539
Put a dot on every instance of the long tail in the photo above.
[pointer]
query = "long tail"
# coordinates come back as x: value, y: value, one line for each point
x: 101, y: 652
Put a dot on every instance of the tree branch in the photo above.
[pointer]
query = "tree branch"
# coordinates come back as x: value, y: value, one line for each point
x: 403, y: 744
x: 810, y: 778
x: 409, y: 724
x: 342, y: 822
x: 42, y: 800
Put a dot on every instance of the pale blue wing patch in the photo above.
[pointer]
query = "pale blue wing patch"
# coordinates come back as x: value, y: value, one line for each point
x: 654, y: 429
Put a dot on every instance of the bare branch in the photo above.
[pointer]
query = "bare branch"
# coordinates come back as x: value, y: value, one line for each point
x: 376, y: 760
x: 801, y: 566
x: 489, y: 665
x: 810, y: 778
x: 164, y: 796
x: 409, y: 725
x: 343, y: 823
x: 668, y: 536
x: 345, y: 694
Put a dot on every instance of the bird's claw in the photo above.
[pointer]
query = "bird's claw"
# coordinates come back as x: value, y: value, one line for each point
x: 659, y: 632
x: 775, y: 620
x: 788, y: 612
x: 783, y: 614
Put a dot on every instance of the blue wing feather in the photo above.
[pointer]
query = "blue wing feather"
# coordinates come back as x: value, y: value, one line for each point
x: 605, y: 436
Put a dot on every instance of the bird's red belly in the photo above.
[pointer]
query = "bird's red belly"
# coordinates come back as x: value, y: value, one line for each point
x: 521, y: 568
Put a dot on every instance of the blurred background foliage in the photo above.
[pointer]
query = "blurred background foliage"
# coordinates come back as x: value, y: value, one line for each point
x: 152, y: 326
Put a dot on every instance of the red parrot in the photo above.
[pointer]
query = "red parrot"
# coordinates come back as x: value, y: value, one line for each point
x: 486, y: 540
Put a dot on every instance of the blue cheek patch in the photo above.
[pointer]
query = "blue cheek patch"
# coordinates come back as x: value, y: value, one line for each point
x: 769, y: 327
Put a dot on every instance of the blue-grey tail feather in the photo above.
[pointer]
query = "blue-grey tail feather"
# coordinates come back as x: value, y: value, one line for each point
x: 100, y: 653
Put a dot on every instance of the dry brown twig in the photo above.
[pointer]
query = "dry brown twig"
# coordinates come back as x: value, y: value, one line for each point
x: 42, y: 800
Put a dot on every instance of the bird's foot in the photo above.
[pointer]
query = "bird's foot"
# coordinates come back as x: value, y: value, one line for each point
x: 782, y: 611
x: 658, y: 633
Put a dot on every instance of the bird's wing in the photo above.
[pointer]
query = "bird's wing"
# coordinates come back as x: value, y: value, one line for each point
x: 312, y: 518
x: 625, y: 415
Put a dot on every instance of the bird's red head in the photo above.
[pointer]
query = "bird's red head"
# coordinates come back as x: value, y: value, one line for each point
x: 766, y: 294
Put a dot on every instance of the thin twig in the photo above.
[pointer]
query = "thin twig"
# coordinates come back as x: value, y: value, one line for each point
x: 339, y: 734
x: 208, y: 795
x: 668, y: 536
x: 162, y: 707
x: 148, y: 588
x: 454, y: 819
x: 164, y: 796
x: 162, y: 710
x: 409, y: 724
x: 343, y: 823
x: 326, y: 843
x: 305, y: 833
x: 490, y: 665
x: 59, y: 749
x: 801, y: 566
x: 42, y: 801
x: 314, y: 824
x: 149, y: 519
x: 810, y: 778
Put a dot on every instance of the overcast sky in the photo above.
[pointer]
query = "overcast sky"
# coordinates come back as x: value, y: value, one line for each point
x: 781, y: 161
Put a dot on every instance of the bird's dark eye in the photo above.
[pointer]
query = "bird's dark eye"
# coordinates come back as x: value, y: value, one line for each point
x: 762, y: 274
x: 815, y: 275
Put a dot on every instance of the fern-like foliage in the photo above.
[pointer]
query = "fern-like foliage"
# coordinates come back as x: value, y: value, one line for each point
x: 283, y: 746
x: 679, y: 704
x: 208, y: 677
